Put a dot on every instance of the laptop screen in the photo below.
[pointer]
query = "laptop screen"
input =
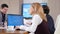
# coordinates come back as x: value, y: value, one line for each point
x: 15, y: 20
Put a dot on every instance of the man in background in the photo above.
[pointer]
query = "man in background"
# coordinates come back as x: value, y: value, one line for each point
x: 3, y: 11
x: 49, y: 19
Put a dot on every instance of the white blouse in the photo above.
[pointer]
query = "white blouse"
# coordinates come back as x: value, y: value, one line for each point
x: 57, y: 21
x: 36, y: 20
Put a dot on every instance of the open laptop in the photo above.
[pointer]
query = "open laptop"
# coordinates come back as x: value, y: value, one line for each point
x: 14, y: 20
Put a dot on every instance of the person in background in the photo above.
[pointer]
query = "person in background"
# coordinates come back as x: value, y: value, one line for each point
x: 38, y: 21
x: 49, y: 19
x: 57, y: 21
x: 3, y: 11
x: 57, y: 25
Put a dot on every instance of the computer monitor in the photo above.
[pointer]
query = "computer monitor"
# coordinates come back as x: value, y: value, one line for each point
x: 26, y: 9
x: 14, y: 20
x: 26, y: 13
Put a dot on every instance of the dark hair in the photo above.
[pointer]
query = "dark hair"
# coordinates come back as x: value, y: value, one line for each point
x: 46, y: 9
x: 4, y: 5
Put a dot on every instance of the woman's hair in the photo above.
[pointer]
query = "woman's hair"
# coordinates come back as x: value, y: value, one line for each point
x: 39, y: 10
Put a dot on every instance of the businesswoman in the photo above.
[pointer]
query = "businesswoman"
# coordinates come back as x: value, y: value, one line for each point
x: 39, y: 21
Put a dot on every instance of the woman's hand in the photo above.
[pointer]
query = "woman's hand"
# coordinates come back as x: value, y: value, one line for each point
x: 29, y: 23
x: 17, y: 27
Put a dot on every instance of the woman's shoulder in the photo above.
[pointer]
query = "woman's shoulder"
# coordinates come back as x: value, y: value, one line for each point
x: 36, y: 15
x: 58, y: 15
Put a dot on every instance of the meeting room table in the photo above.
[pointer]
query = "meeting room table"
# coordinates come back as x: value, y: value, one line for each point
x: 3, y: 31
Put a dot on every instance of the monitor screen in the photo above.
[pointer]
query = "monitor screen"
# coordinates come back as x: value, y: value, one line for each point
x: 26, y: 13
x: 26, y: 8
x: 15, y: 20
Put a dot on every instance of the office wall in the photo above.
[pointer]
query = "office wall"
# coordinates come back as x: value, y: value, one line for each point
x: 53, y: 5
x: 14, y: 6
x: 31, y: 1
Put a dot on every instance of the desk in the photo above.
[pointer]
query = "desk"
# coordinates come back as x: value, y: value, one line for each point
x: 15, y: 32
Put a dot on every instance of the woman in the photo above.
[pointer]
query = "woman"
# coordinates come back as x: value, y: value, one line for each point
x: 36, y: 11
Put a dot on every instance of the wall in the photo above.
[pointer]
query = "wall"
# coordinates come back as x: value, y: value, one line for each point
x: 14, y: 6
x: 31, y: 1
x: 54, y: 6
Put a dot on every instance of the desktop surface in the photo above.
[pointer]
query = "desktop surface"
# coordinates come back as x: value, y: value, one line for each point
x: 2, y: 31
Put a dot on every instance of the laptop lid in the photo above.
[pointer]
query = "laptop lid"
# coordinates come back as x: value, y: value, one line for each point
x: 14, y: 20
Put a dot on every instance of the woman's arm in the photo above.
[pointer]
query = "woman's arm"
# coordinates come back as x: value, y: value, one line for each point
x: 35, y: 22
x: 27, y: 22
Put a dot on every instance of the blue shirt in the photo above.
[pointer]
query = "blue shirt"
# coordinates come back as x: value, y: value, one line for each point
x: 50, y: 24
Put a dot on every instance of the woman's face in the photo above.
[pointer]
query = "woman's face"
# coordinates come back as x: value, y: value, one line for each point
x: 31, y: 10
